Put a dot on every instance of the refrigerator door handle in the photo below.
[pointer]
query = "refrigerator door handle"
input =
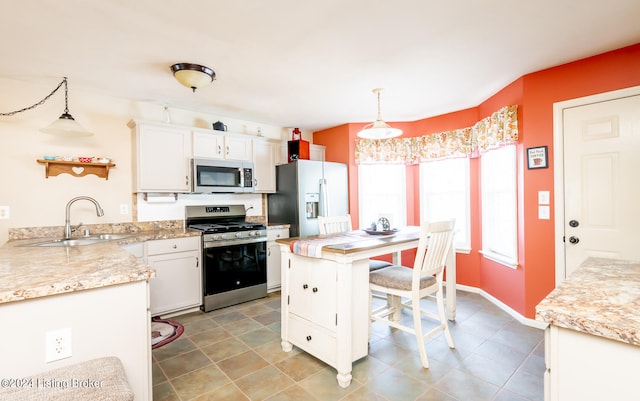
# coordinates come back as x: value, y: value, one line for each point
x: 324, y: 196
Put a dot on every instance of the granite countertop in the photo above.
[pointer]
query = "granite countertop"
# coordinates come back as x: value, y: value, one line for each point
x: 602, y: 297
x: 30, y: 271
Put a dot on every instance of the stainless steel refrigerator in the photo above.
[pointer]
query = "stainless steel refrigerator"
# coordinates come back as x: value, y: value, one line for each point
x: 306, y: 189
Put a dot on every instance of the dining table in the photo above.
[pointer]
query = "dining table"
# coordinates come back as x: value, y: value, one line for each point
x: 325, y: 292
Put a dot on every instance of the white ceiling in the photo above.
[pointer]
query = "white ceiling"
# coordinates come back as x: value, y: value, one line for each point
x: 307, y: 64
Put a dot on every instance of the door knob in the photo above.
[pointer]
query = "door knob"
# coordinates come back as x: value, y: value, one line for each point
x: 574, y: 240
x: 574, y: 223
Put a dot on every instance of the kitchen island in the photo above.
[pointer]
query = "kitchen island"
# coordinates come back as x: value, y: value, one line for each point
x: 99, y: 292
x: 592, y: 343
x: 325, y: 293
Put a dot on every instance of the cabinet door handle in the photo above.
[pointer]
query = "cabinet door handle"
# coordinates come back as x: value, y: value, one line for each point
x: 227, y: 150
x: 315, y: 289
x: 219, y: 149
x: 197, y: 262
x: 308, y: 338
x: 174, y: 246
x: 304, y: 286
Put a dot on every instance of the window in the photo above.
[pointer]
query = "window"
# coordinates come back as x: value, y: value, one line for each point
x: 444, y: 194
x: 382, y: 193
x: 499, y: 214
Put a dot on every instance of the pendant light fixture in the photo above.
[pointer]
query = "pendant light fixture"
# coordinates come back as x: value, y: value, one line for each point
x: 193, y: 76
x: 379, y: 129
x: 66, y: 125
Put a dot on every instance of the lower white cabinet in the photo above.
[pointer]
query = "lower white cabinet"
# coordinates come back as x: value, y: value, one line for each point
x: 274, y: 274
x: 178, y: 281
x: 586, y: 367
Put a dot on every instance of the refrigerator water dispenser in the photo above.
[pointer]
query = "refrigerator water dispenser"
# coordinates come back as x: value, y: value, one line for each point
x: 312, y: 202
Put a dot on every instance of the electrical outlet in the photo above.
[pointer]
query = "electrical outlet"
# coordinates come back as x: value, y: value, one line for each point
x: 4, y: 212
x: 58, y: 344
x: 124, y: 209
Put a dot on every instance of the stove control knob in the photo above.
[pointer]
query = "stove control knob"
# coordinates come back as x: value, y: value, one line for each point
x: 239, y: 234
x: 216, y: 237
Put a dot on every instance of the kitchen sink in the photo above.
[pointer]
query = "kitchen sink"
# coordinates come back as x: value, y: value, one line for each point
x: 90, y: 240
x: 108, y: 237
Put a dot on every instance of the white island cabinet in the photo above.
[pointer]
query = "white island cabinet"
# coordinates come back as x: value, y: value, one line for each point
x: 325, y: 299
x: 161, y: 154
x: 177, y: 285
x: 592, y: 343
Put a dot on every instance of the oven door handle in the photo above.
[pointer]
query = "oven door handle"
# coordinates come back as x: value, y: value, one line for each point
x: 231, y: 242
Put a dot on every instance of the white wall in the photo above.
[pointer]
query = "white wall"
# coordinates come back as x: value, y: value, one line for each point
x: 36, y: 201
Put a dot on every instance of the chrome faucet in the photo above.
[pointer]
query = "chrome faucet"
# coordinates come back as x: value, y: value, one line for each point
x: 67, y: 219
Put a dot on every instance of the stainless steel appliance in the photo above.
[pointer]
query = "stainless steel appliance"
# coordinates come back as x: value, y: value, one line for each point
x: 212, y: 175
x: 306, y: 189
x: 234, y: 261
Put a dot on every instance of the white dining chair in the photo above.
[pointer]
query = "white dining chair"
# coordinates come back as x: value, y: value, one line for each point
x: 342, y: 224
x: 414, y: 284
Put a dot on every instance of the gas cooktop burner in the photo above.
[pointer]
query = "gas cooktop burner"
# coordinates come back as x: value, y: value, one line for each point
x: 230, y: 227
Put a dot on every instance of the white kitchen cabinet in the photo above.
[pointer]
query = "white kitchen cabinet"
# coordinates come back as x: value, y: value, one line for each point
x: 217, y: 145
x: 264, y: 166
x: 586, y: 367
x: 274, y: 275
x: 316, y: 152
x: 315, y: 317
x: 207, y: 144
x: 178, y: 281
x: 162, y: 154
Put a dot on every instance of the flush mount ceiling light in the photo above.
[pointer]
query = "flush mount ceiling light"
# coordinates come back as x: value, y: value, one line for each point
x: 193, y: 76
x: 66, y: 125
x: 379, y: 129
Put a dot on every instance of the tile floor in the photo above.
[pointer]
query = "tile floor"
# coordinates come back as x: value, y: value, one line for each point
x: 235, y: 354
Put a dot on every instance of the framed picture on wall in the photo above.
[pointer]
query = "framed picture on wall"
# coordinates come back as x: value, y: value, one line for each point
x: 537, y: 157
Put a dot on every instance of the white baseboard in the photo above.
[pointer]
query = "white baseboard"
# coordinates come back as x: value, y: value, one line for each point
x: 524, y: 320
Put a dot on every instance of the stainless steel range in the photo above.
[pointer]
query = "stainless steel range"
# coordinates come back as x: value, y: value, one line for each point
x: 234, y: 255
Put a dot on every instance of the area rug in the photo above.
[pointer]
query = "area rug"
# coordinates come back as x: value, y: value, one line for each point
x: 163, y: 331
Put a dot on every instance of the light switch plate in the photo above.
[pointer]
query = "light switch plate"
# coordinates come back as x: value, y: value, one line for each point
x: 543, y: 198
x: 544, y: 212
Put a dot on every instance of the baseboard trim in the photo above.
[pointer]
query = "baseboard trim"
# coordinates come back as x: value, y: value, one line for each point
x: 524, y: 320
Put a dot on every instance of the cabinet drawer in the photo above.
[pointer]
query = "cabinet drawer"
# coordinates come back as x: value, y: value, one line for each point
x: 313, y: 339
x: 159, y: 247
x: 277, y: 233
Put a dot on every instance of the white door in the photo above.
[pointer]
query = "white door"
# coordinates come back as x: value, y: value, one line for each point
x: 601, y: 158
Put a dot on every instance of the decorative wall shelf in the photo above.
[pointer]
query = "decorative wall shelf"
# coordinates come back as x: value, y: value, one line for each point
x: 76, y: 169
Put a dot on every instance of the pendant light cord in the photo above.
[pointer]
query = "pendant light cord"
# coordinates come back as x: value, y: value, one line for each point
x: 66, y: 109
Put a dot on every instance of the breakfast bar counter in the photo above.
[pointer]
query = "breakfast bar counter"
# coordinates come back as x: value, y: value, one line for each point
x: 325, y: 293
x: 94, y: 296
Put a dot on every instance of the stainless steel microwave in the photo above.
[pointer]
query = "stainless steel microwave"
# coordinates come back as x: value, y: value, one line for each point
x: 211, y: 175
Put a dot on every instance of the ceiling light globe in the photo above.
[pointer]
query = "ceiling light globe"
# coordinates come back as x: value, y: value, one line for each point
x: 193, y: 76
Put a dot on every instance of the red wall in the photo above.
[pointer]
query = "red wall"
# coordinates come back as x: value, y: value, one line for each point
x: 522, y: 288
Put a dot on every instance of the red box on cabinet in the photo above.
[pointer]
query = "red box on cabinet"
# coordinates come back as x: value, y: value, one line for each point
x: 298, y: 150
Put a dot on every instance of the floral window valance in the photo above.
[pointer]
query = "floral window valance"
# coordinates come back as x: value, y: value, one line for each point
x: 496, y: 130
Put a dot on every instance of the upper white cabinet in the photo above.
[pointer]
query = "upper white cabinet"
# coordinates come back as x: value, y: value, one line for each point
x: 217, y: 145
x: 264, y: 170
x: 316, y: 152
x: 162, y: 156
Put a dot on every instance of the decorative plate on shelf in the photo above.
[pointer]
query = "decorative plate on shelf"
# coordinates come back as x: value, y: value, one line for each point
x: 383, y: 232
